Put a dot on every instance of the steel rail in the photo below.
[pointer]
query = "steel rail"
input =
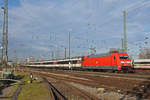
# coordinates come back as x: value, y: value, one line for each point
x: 17, y: 92
x: 80, y: 92
x: 77, y: 91
x: 56, y: 95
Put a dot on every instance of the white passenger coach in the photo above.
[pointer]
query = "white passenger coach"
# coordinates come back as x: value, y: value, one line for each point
x: 141, y: 63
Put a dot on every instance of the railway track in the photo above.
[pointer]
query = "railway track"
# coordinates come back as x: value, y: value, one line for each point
x: 116, y: 75
x: 55, y: 94
x: 68, y: 92
x: 133, y: 76
x: 127, y: 84
x: 103, y: 74
x: 17, y: 92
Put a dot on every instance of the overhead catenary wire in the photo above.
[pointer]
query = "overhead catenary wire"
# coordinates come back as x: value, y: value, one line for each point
x: 137, y: 5
x: 130, y: 9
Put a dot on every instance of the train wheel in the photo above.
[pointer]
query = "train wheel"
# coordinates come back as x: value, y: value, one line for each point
x: 117, y: 71
x: 132, y: 71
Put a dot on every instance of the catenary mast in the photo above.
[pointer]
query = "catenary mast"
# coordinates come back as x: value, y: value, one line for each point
x: 5, y: 35
x: 125, y: 36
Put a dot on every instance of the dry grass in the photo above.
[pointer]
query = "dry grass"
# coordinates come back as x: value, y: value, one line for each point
x: 33, y: 91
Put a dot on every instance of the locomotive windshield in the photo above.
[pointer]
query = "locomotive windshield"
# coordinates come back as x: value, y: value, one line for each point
x: 124, y: 57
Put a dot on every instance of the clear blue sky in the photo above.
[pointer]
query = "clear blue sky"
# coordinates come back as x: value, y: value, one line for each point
x: 37, y: 27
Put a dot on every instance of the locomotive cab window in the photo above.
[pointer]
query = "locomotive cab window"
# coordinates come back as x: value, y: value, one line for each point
x: 124, y: 57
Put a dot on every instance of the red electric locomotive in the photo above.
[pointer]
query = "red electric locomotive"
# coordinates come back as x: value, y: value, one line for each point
x: 110, y: 61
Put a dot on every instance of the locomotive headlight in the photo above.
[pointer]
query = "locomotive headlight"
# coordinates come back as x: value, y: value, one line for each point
x: 122, y: 61
x: 128, y: 61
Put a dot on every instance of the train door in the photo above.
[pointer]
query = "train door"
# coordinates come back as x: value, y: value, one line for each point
x: 114, y: 61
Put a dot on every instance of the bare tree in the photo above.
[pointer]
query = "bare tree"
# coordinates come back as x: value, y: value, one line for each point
x: 144, y: 53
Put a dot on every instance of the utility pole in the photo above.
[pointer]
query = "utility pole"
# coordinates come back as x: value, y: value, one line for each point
x: 65, y: 53
x: 6, y: 31
x: 57, y: 52
x: 3, y: 41
x: 122, y: 44
x: 52, y: 55
x: 15, y: 58
x: 125, y: 37
x: 5, y: 36
x: 69, y: 53
x: 69, y: 44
